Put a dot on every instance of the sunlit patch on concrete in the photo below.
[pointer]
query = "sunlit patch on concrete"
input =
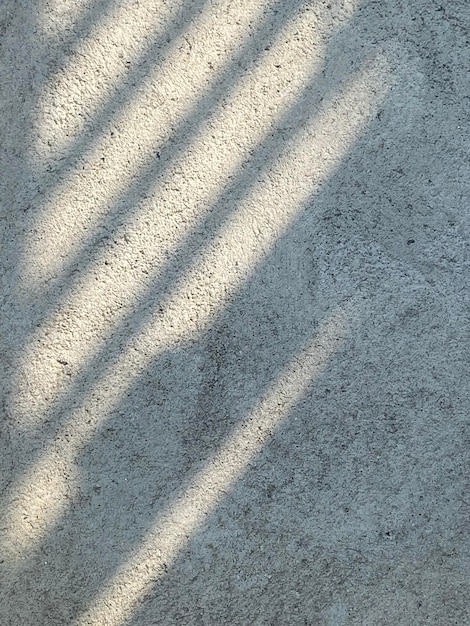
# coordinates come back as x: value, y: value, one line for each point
x: 136, y: 113
x: 200, y: 295
x: 106, y: 294
x: 88, y: 71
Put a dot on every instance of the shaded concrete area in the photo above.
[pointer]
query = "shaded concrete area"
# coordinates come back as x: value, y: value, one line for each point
x: 235, y: 312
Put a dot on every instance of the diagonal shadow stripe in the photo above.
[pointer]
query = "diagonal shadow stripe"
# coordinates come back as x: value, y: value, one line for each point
x: 181, y: 138
x: 343, y: 179
x: 70, y: 38
x: 152, y: 299
x: 71, y: 401
x: 123, y: 92
x: 193, y: 246
x: 264, y: 157
x: 174, y: 527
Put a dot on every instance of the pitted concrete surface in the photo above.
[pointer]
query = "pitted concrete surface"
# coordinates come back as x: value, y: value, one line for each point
x: 235, y: 312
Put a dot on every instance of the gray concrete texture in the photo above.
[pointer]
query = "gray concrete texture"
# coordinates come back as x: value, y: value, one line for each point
x: 235, y: 312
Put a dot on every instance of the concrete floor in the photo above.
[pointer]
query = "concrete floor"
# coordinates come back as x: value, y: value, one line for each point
x: 235, y: 312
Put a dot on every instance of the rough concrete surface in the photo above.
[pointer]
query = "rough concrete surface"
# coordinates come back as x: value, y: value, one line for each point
x: 235, y: 312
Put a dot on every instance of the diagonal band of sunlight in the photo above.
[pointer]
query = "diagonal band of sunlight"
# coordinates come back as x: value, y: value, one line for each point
x: 75, y: 90
x: 138, y: 108
x: 96, y: 310
x: 128, y: 136
x: 244, y: 240
x: 187, y: 513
